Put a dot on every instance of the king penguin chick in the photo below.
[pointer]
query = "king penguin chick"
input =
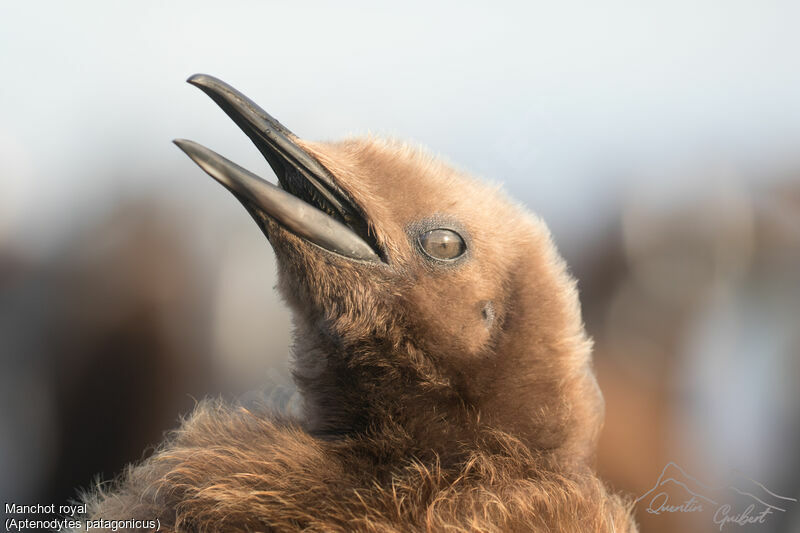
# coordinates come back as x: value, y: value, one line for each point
x: 445, y: 372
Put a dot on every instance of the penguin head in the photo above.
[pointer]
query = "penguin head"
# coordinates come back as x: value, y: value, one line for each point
x: 391, y: 259
x: 449, y: 250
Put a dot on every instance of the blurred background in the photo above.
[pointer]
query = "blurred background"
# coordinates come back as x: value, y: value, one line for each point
x: 658, y: 140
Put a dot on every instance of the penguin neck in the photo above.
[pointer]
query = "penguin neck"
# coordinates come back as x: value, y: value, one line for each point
x: 380, y: 389
x: 537, y: 387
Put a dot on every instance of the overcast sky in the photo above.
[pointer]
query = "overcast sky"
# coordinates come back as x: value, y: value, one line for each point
x: 569, y: 104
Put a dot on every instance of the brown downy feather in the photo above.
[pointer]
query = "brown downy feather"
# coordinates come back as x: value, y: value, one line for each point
x: 457, y: 398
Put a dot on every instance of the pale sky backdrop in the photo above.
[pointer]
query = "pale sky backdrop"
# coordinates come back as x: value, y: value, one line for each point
x: 567, y: 103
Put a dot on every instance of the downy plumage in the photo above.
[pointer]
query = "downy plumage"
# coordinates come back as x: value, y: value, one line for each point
x: 439, y: 349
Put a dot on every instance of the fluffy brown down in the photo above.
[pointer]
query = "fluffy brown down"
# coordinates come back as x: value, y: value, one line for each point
x: 423, y: 410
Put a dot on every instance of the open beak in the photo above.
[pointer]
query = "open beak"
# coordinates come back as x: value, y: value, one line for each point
x: 308, y: 202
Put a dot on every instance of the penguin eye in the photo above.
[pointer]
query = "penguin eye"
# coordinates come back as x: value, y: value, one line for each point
x: 442, y: 244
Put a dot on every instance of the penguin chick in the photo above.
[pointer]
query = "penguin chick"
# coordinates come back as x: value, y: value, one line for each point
x: 439, y: 349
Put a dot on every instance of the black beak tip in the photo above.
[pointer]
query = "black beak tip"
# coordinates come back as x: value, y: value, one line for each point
x: 199, y: 80
x: 197, y: 153
x: 182, y: 144
x: 208, y: 84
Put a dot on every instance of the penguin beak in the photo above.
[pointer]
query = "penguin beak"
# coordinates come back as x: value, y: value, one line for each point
x: 308, y: 202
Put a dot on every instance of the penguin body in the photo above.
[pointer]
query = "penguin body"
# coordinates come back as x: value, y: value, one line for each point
x: 439, y: 349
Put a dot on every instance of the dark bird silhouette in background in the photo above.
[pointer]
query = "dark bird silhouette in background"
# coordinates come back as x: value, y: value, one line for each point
x: 439, y: 349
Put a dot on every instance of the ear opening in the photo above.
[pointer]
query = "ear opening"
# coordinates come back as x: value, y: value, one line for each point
x: 487, y: 313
